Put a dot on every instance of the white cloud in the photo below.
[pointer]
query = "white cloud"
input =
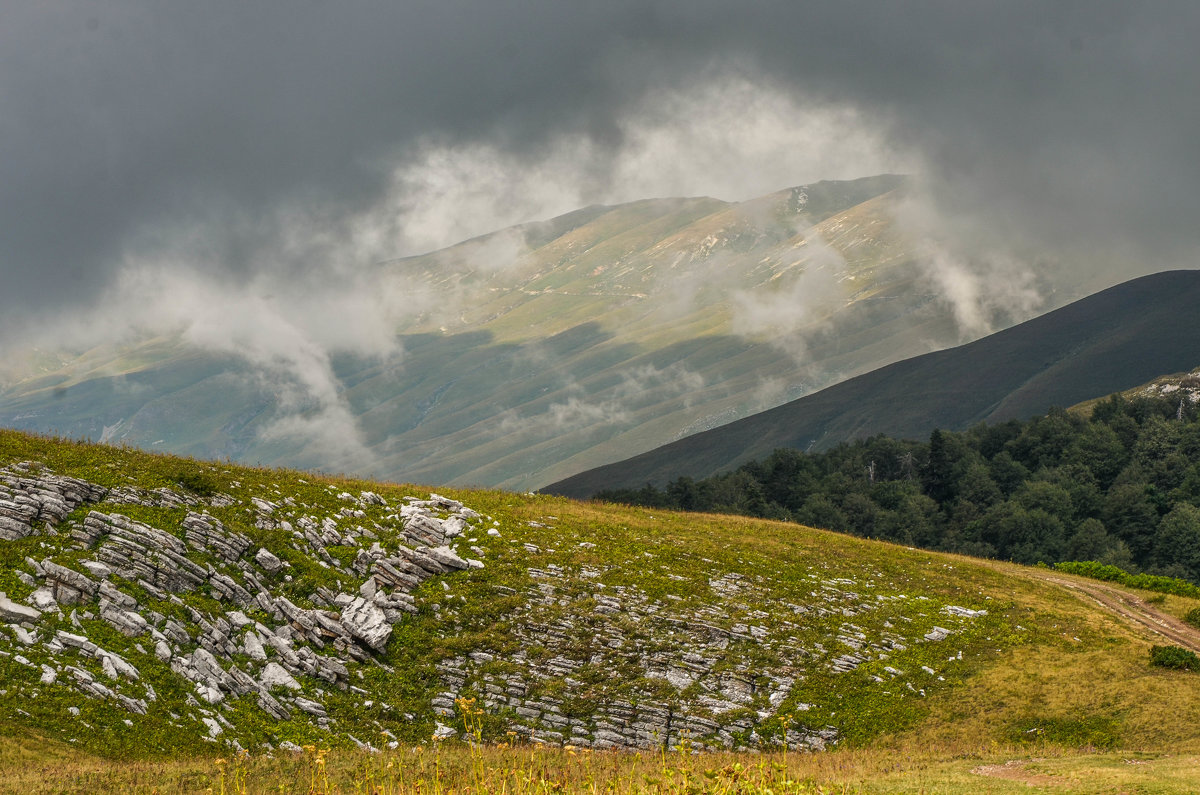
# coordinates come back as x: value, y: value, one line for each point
x: 731, y: 139
x: 985, y: 286
x: 312, y: 289
x: 788, y: 313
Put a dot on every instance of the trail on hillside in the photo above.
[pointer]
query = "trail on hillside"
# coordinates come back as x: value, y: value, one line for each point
x: 1131, y: 609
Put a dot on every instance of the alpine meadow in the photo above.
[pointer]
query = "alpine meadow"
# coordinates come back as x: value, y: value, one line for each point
x: 636, y: 398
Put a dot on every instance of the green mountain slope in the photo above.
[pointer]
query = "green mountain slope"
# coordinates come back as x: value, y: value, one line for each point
x: 1105, y: 343
x: 156, y: 606
x: 550, y: 348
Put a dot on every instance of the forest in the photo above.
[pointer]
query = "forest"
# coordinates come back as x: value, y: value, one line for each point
x: 1120, y: 485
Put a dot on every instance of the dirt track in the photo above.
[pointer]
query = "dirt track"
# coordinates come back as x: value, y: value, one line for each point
x: 1168, y: 629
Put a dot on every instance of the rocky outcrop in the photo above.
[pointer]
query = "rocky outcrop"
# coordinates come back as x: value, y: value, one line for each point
x: 367, y: 622
x: 30, y: 497
x: 107, y: 563
x: 297, y: 607
x: 14, y: 613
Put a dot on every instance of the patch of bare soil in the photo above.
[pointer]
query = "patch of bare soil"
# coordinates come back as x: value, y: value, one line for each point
x: 1017, y: 770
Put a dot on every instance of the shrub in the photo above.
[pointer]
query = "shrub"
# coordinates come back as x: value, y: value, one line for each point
x: 1156, y: 582
x: 1147, y: 582
x: 1092, y: 569
x: 1193, y: 617
x: 198, y: 483
x: 1174, y: 657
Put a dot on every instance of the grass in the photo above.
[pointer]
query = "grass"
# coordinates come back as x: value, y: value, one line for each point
x: 1045, y: 678
x: 29, y: 766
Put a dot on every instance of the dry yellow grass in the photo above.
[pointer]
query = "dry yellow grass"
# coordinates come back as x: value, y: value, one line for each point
x: 35, y: 766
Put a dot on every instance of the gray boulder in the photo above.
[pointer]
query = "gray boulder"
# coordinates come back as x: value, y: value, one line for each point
x: 275, y: 675
x: 366, y: 621
x: 69, y: 586
x: 13, y: 613
x: 268, y: 561
x: 253, y: 647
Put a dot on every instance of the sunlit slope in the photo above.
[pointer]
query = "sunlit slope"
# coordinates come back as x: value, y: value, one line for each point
x: 675, y: 347
x: 1183, y: 386
x: 159, y: 606
x: 1105, y: 343
x: 550, y: 348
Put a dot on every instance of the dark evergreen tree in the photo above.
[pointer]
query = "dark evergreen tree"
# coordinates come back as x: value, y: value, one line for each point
x: 1121, y: 488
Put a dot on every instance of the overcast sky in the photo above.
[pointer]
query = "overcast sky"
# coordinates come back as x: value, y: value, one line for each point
x: 272, y: 150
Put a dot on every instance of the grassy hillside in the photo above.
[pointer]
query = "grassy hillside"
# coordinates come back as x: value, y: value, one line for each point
x: 549, y: 348
x: 579, y: 624
x: 1182, y: 386
x: 1108, y: 342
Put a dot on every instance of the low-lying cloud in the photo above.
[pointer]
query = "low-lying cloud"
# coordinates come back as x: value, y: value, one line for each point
x: 576, y: 408
x: 788, y: 315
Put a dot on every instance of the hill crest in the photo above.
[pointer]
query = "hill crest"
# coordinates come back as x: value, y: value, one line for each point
x: 165, y: 605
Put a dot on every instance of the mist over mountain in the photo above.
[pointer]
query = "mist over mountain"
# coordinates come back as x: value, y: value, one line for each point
x: 539, y: 350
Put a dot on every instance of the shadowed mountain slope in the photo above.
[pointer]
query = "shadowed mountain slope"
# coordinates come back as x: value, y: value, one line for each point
x: 1110, y: 341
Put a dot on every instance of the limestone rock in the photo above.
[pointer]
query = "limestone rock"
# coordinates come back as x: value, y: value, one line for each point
x: 13, y: 613
x: 311, y: 707
x: 69, y: 586
x: 275, y: 675
x: 253, y: 647
x: 43, y: 599
x: 267, y: 560
x: 447, y: 557
x: 30, y: 494
x: 367, y: 622
x: 290, y: 648
x: 126, y: 622
x: 937, y: 634
x: 207, y: 534
x: 214, y: 728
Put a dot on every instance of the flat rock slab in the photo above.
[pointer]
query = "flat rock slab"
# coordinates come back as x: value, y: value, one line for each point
x: 14, y: 613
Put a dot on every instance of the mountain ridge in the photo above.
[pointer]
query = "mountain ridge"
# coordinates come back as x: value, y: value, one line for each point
x: 1113, y: 340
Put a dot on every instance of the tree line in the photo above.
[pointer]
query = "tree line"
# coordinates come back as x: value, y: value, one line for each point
x: 1121, y: 486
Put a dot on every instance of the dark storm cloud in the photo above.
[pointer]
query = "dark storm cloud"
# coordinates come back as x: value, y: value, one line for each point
x: 184, y: 130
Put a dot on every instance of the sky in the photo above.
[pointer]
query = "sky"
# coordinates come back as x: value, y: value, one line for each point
x: 234, y: 169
